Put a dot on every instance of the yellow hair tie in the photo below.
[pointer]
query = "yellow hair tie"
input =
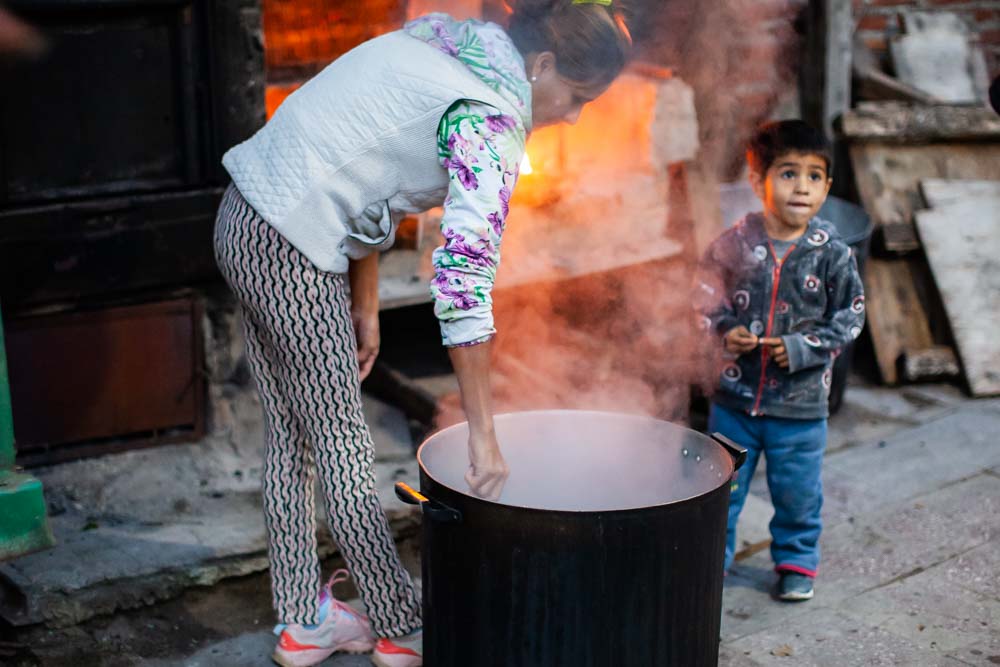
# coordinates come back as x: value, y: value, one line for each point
x: 606, y: 3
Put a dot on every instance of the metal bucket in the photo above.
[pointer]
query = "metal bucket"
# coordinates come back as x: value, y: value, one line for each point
x: 606, y: 547
x: 855, y: 227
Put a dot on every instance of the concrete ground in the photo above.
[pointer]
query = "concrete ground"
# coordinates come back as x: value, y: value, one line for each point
x: 143, y: 526
x: 910, y: 570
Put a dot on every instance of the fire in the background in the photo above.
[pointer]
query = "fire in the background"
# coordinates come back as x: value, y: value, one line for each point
x: 303, y: 36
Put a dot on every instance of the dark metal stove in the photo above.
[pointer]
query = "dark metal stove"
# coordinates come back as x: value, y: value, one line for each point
x: 110, y: 174
x: 110, y: 143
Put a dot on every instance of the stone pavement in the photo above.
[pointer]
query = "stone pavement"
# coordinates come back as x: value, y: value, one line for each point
x: 911, y: 567
x: 140, y: 527
x: 910, y: 573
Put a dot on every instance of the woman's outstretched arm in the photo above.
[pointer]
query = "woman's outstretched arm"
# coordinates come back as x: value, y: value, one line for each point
x: 481, y: 149
x: 487, y: 469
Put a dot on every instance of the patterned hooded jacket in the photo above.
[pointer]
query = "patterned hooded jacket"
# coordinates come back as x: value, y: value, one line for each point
x: 812, y: 298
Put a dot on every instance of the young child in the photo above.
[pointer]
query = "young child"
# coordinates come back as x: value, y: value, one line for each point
x: 782, y: 291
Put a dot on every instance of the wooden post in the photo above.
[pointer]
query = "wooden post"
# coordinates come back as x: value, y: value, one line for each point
x: 825, y: 79
x: 826, y: 68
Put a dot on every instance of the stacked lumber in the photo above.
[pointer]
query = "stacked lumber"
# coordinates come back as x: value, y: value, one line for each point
x: 930, y: 176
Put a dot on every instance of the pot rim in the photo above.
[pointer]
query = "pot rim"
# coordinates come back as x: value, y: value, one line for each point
x: 726, y: 476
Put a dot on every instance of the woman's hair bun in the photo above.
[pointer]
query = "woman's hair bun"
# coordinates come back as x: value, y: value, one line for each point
x: 589, y: 38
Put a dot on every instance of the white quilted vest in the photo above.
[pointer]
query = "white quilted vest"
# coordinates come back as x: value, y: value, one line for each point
x: 355, y: 143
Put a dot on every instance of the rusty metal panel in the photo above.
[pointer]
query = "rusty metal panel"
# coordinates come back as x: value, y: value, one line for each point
x: 130, y: 371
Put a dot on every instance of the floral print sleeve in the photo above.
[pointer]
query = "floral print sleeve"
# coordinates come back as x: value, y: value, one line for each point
x: 482, y: 150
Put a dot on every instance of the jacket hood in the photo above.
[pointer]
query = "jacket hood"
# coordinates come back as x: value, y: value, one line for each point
x: 485, y: 49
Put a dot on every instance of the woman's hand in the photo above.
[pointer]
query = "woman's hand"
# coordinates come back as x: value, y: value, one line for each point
x: 488, y: 471
x: 366, y: 331
x: 739, y: 340
x: 363, y: 274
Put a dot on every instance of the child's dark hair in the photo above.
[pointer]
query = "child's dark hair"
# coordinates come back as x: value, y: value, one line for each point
x: 772, y: 140
x: 589, y: 39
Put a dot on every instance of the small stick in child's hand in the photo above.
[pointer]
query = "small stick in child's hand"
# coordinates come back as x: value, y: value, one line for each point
x: 778, y: 349
x: 739, y: 340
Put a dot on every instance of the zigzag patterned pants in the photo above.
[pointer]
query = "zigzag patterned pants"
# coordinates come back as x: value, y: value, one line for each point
x: 302, y: 352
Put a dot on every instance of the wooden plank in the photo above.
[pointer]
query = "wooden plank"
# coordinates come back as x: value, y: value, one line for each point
x: 896, y: 320
x: 896, y: 122
x: 405, y: 279
x: 888, y: 180
x: 962, y: 242
x: 404, y: 282
x: 938, y: 192
x: 839, y: 32
x: 872, y: 84
x: 936, y: 362
x: 392, y: 386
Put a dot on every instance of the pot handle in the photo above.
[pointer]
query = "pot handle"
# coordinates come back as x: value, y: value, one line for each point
x: 433, y: 509
x: 738, y: 452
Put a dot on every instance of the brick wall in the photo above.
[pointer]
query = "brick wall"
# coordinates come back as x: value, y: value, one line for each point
x: 876, y: 19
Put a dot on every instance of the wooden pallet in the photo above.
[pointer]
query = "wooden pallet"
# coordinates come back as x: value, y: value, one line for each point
x: 893, y: 147
x: 961, y: 237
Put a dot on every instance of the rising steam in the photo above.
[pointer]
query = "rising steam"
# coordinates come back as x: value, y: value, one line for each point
x: 623, y: 340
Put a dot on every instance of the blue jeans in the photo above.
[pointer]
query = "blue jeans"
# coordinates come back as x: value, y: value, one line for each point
x: 794, y: 450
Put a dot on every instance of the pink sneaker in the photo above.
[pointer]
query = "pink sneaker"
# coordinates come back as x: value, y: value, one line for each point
x: 341, y: 628
x: 405, y: 651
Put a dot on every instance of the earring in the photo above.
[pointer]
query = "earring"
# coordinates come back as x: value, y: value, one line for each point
x: 534, y: 78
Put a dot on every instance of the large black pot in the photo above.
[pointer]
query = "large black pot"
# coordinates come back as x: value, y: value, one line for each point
x: 605, y: 549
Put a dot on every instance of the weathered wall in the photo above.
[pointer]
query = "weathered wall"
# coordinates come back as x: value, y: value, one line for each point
x: 875, y: 19
x: 741, y: 56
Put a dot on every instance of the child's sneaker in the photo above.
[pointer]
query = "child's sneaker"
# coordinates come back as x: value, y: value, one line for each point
x: 340, y: 628
x: 795, y: 587
x: 405, y: 651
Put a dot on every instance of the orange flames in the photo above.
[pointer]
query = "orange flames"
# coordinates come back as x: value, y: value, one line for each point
x: 526, y: 165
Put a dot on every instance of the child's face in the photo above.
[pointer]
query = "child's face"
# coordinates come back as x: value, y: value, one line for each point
x: 792, y: 190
